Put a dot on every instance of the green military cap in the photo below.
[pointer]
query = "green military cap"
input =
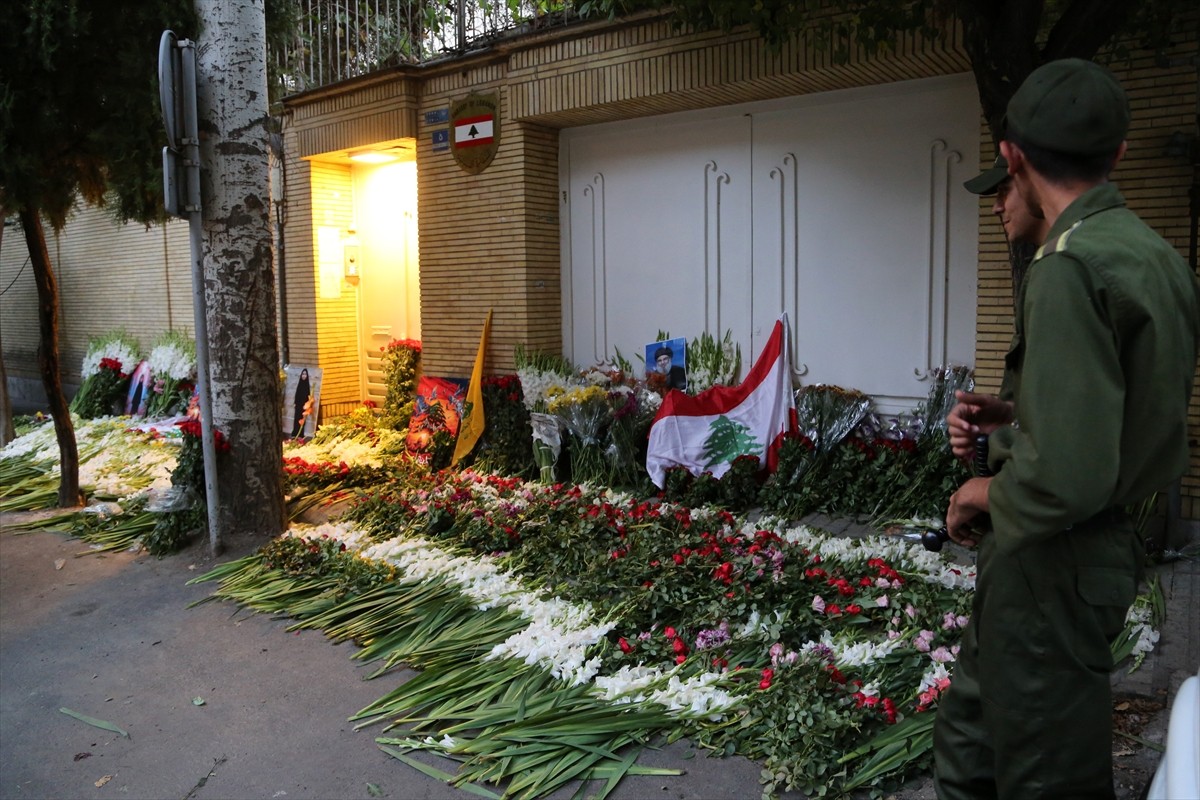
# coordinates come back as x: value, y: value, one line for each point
x: 1070, y: 106
x: 988, y: 181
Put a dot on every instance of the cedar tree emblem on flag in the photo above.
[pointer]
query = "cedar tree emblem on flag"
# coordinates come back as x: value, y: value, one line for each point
x: 475, y: 130
x: 708, y: 431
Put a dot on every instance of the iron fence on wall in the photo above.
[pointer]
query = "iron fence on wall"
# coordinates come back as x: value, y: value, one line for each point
x: 340, y: 39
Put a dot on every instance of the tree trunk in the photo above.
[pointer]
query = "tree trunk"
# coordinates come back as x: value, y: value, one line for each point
x: 1001, y: 40
x: 69, y: 495
x: 6, y: 416
x: 238, y: 275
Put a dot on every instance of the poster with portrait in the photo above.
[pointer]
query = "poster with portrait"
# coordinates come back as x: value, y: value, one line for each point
x: 301, y: 400
x: 666, y: 364
x: 439, y: 406
x: 141, y: 384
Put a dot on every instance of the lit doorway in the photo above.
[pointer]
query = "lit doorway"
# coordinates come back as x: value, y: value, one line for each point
x: 389, y: 292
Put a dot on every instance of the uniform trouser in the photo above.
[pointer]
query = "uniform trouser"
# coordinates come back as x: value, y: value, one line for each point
x: 1029, y: 710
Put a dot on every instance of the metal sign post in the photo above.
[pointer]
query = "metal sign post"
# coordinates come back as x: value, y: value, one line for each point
x: 177, y: 95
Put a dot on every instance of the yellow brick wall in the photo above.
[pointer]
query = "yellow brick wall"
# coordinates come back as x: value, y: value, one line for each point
x: 491, y: 240
x: 109, y: 276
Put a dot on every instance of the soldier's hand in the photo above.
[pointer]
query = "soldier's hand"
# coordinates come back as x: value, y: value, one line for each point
x: 972, y: 415
x: 966, y: 504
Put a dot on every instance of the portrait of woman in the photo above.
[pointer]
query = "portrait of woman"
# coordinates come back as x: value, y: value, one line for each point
x: 299, y: 403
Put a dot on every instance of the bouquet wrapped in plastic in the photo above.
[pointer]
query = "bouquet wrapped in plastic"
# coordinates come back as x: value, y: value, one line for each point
x: 586, y: 414
x: 173, y: 370
x: 106, y: 367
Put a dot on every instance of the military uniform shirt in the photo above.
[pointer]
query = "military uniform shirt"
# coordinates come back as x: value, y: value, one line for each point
x: 1100, y: 371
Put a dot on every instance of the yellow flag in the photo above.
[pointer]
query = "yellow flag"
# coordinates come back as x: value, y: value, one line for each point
x: 472, y: 424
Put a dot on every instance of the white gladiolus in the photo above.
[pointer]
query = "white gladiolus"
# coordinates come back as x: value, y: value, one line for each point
x: 698, y: 696
x: 854, y: 654
x: 116, y: 350
x: 172, y: 361
x: 932, y: 676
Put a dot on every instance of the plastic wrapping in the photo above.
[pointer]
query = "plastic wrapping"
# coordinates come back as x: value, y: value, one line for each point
x: 547, y: 443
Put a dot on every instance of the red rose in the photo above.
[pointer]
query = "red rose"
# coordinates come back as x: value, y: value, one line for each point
x: 625, y: 646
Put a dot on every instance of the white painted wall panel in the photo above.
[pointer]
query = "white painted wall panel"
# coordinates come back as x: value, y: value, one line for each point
x: 844, y: 209
x: 644, y: 239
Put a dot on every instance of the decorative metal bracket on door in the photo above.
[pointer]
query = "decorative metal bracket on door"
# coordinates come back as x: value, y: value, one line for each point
x: 938, y: 149
x: 778, y: 173
x: 595, y: 190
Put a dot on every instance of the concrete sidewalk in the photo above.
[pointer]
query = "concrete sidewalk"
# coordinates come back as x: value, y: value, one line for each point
x: 222, y: 703
x: 112, y: 637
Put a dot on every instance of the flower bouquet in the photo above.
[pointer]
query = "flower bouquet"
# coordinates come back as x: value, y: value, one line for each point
x: 543, y: 377
x: 585, y: 413
x: 712, y: 363
x: 507, y: 434
x: 828, y: 413
x: 633, y: 406
x: 173, y: 369
x: 105, y: 374
x: 401, y: 364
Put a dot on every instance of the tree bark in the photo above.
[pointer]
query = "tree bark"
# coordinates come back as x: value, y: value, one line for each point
x: 69, y: 495
x: 238, y: 273
x: 1001, y: 39
x: 6, y: 416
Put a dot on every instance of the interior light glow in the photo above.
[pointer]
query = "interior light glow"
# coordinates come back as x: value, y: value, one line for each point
x: 372, y: 157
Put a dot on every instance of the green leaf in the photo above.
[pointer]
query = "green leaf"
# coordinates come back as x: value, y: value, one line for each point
x: 374, y: 790
x: 98, y: 723
x: 437, y: 774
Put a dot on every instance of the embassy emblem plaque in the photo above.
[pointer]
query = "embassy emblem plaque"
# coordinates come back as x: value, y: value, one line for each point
x: 475, y: 130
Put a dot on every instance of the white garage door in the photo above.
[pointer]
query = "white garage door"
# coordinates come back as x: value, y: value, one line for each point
x: 845, y: 209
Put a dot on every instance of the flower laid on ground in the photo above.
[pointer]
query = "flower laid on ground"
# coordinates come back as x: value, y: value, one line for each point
x: 105, y: 371
x: 1142, y: 622
x: 173, y: 369
x: 557, y: 624
x: 691, y: 611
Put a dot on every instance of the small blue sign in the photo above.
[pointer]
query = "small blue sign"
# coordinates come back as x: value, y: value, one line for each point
x: 437, y: 116
x: 441, y: 140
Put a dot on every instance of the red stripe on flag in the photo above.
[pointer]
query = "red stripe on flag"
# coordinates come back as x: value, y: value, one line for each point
x: 723, y: 399
x: 473, y: 120
x: 473, y: 142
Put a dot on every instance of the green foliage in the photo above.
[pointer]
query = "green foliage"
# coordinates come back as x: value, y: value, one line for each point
x: 100, y: 391
x: 868, y: 25
x: 880, y: 478
x: 173, y: 528
x: 401, y: 371
x: 507, y: 446
x: 79, y: 109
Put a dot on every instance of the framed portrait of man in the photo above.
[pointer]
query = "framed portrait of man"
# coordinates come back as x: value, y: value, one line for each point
x: 666, y: 361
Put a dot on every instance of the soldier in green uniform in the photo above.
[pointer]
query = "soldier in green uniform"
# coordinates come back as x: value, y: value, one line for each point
x: 1099, y: 376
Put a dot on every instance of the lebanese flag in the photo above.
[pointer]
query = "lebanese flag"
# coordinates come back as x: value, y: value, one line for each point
x: 708, y: 431
x: 473, y: 131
